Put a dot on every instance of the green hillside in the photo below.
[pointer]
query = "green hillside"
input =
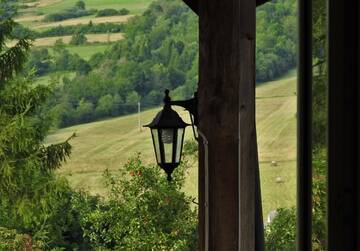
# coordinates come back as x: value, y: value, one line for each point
x: 108, y: 144
x: 135, y: 6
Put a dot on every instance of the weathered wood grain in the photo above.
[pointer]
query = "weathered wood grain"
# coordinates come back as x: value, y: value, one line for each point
x: 227, y: 118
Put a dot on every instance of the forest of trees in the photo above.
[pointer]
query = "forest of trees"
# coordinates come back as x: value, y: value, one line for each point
x: 40, y: 211
x: 160, y: 51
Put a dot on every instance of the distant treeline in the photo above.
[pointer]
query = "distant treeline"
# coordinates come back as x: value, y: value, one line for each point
x: 90, y: 28
x: 276, y: 39
x: 112, y: 12
x: 79, y: 10
x: 160, y: 51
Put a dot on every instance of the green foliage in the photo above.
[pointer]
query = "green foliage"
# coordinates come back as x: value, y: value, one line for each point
x: 161, y: 51
x: 32, y: 199
x: 143, y: 212
x: 78, y: 39
x: 112, y: 12
x: 11, y: 240
x: 107, y: 12
x: 276, y: 38
x: 10, y: 59
x: 80, y: 5
x: 123, y: 12
x: 320, y: 74
x: 280, y: 234
x: 77, y: 11
x: 83, y: 28
x: 39, y: 61
x: 319, y: 200
x: 190, y: 147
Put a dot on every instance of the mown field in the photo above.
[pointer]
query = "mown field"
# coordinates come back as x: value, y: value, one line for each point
x: 41, y: 7
x: 91, y: 38
x: 108, y: 144
x: 135, y: 6
x: 39, y: 25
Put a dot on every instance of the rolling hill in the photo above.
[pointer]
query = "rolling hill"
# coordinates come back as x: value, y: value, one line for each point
x: 109, y: 143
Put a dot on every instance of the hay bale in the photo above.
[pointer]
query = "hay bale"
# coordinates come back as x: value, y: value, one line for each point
x: 274, y: 163
x: 279, y: 180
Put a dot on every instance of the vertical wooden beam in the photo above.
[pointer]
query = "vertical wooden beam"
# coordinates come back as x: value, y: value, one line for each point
x: 227, y: 118
x: 343, y: 127
x: 304, y: 138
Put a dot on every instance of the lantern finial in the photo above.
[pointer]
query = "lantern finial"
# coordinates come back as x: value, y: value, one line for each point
x: 167, y: 98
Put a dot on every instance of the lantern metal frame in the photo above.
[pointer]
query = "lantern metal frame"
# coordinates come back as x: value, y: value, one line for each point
x: 168, y: 119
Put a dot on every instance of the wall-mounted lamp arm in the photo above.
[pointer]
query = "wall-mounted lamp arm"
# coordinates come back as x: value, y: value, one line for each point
x: 190, y: 105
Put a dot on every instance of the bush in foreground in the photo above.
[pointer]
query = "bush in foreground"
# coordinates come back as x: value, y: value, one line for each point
x: 143, y: 212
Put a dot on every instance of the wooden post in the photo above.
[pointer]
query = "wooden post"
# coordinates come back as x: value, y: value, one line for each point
x: 227, y: 118
x: 343, y: 127
x: 304, y: 138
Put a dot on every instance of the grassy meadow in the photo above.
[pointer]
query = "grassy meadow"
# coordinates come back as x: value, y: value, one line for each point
x: 87, y: 50
x: 109, y: 143
x: 39, y: 25
x: 52, y: 6
x: 91, y: 38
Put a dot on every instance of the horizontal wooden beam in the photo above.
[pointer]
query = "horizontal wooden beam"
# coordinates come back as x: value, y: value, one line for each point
x: 194, y: 4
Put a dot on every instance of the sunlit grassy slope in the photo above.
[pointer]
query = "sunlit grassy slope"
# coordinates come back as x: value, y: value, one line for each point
x: 135, y: 6
x: 108, y: 144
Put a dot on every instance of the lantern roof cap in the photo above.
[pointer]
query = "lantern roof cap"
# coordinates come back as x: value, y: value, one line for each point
x: 167, y: 117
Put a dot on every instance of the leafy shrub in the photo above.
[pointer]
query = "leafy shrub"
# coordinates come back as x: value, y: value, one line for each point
x: 80, y: 5
x: 123, y: 12
x: 78, y: 39
x: 11, y: 240
x: 107, y: 12
x: 112, y: 12
x: 281, y: 233
x: 144, y: 212
x: 190, y: 147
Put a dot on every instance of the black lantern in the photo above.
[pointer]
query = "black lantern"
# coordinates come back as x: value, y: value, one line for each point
x: 168, y: 131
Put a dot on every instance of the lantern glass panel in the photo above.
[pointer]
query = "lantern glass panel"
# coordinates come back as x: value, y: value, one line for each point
x: 155, y: 136
x: 167, y: 137
x: 179, y: 143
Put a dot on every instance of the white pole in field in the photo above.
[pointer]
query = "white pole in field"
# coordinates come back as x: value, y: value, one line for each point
x: 139, y: 115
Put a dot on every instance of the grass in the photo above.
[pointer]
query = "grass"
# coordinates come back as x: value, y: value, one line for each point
x: 86, y: 51
x: 53, y: 77
x: 108, y: 144
x: 91, y: 38
x: 40, y: 25
x: 33, y: 15
x: 135, y: 6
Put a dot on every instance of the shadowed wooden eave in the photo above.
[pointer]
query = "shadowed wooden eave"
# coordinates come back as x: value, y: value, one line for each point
x: 194, y: 4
